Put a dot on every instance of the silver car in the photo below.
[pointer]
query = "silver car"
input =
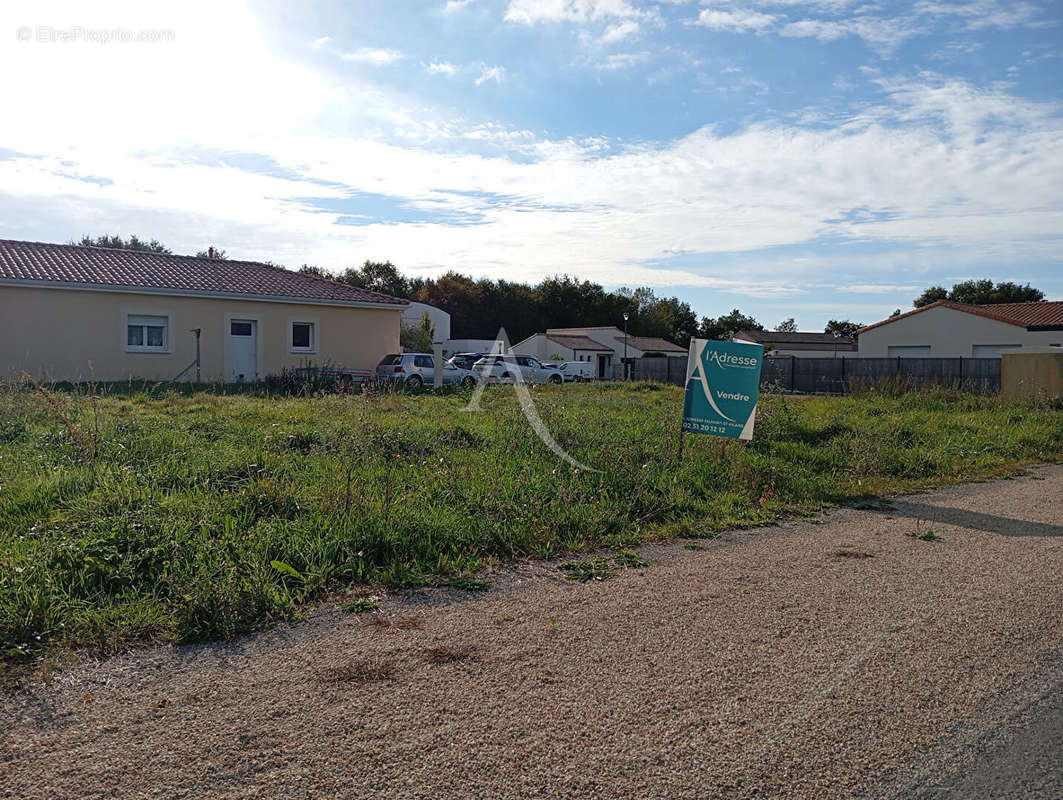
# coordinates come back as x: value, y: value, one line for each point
x: 419, y: 369
x: 504, y: 367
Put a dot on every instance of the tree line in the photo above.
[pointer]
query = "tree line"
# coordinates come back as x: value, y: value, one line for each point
x: 479, y: 307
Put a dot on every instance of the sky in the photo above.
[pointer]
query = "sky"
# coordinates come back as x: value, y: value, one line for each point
x: 816, y: 160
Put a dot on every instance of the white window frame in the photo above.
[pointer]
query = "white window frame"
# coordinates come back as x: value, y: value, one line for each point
x: 168, y: 334
x: 315, y: 335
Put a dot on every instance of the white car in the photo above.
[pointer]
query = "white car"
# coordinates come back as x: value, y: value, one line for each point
x: 577, y: 370
x: 504, y: 367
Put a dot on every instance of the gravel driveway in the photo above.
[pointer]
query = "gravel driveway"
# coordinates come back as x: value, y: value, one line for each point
x: 839, y: 659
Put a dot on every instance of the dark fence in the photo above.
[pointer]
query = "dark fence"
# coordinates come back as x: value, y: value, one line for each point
x: 662, y: 369
x: 836, y: 375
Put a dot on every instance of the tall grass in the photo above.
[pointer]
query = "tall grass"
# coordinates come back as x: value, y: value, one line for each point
x: 201, y: 515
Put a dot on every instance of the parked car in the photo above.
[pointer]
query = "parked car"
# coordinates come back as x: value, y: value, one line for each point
x: 466, y: 360
x: 419, y: 369
x: 578, y: 370
x: 502, y: 368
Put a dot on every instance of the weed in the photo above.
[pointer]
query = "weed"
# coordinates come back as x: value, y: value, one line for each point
x: 361, y: 605
x: 693, y: 546
x: 927, y: 536
x: 923, y: 534
x: 631, y: 559
x: 595, y: 569
x: 467, y: 584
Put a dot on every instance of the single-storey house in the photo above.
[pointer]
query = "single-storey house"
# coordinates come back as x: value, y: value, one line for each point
x: 69, y: 312
x: 603, y: 346
x: 440, y: 319
x: 950, y: 330
x: 799, y: 343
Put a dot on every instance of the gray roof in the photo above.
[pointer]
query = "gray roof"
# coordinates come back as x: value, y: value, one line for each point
x: 792, y: 338
x: 577, y: 342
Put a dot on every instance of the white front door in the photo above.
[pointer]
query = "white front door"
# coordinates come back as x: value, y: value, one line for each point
x: 242, y: 356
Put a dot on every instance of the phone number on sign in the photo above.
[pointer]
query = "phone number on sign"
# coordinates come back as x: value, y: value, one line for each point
x: 699, y: 426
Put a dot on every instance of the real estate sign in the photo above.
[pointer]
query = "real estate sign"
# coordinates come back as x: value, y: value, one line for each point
x: 723, y: 382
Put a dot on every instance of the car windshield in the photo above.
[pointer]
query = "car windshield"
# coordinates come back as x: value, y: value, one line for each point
x: 390, y: 359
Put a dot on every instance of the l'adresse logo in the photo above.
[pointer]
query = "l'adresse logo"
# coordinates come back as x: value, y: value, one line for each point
x: 725, y: 360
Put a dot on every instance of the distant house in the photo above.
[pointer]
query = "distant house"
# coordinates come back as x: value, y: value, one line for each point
x: 797, y: 343
x: 603, y: 346
x: 69, y: 312
x: 949, y: 330
x: 413, y: 313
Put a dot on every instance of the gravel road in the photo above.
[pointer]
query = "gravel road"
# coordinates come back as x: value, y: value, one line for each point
x: 834, y: 659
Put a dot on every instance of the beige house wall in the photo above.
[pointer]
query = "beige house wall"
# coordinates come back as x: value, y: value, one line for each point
x: 950, y: 334
x: 56, y: 334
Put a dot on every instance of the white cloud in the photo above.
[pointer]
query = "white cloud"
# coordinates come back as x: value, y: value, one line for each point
x: 453, y: 6
x: 981, y: 13
x: 529, y: 12
x: 442, y: 68
x: 936, y: 155
x: 735, y: 21
x: 619, y: 32
x: 883, y: 35
x: 375, y: 56
x: 320, y: 42
x: 966, y: 173
x: 623, y: 60
x: 487, y: 73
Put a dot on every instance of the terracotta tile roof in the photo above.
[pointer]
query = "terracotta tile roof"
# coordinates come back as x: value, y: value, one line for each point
x: 1042, y: 314
x: 60, y: 264
x: 577, y: 342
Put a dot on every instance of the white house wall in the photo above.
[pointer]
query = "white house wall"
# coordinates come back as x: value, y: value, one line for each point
x: 950, y: 334
x: 414, y: 313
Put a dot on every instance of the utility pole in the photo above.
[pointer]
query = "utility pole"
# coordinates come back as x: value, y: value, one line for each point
x: 626, y: 374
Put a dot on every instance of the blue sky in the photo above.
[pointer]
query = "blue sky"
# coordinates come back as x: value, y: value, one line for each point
x: 816, y: 159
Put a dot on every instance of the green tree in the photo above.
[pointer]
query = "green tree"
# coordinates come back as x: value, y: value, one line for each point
x: 726, y: 326
x: 984, y: 292
x: 787, y: 326
x: 377, y: 276
x: 981, y: 292
x: 843, y: 327
x: 132, y: 243
x: 931, y: 295
x: 317, y: 272
x: 462, y: 298
x: 213, y: 252
x: 670, y: 318
x: 418, y: 338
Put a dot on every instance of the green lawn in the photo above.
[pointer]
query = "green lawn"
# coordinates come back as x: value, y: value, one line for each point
x: 184, y: 517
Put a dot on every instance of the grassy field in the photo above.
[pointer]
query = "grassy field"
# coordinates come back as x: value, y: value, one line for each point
x: 170, y: 517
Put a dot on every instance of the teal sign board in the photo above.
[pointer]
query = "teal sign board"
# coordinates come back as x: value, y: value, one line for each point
x: 723, y: 381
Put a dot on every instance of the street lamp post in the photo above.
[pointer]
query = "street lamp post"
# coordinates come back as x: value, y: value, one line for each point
x: 626, y: 376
